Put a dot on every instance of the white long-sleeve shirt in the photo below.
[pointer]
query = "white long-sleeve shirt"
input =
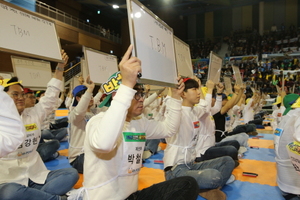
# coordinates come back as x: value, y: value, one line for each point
x: 181, y: 147
x: 287, y: 178
x: 25, y: 162
x: 107, y: 171
x: 12, y: 130
x: 207, y: 126
x: 78, y: 118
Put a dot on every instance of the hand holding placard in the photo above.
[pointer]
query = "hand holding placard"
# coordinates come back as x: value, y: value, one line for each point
x: 220, y: 87
x: 237, y: 75
x: 89, y: 84
x: 176, y: 92
x: 129, y: 67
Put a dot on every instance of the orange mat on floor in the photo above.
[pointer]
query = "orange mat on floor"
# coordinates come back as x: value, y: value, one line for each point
x: 79, y: 182
x: 147, y: 177
x: 267, y: 128
x: 64, y: 152
x: 266, y: 171
x: 61, y: 113
x: 261, y: 143
x: 162, y: 146
x: 150, y: 176
x: 266, y: 174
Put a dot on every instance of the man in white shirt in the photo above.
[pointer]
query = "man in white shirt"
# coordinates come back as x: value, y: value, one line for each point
x: 181, y: 148
x: 115, y: 140
x: 12, y: 131
x: 23, y: 173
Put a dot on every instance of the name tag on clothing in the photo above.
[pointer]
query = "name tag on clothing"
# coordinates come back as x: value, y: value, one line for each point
x: 133, y: 147
x: 293, y: 150
x: 278, y: 131
x: 134, y: 137
x: 196, y: 124
x: 31, y: 127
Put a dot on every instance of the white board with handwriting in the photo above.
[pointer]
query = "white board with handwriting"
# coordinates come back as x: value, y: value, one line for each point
x: 100, y: 65
x: 33, y: 73
x: 153, y: 45
x: 24, y: 33
x: 183, y: 58
x: 214, y: 69
x: 5, y: 75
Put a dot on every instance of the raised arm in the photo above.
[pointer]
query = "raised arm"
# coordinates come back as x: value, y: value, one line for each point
x: 238, y: 91
x: 48, y: 102
x: 108, y: 126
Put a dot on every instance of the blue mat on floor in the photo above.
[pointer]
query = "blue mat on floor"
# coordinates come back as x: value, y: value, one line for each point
x: 150, y: 162
x: 59, y: 163
x: 262, y: 154
x: 63, y: 145
x: 239, y: 190
x: 265, y: 136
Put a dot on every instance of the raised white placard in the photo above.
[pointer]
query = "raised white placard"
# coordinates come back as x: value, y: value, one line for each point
x: 183, y: 58
x: 214, y: 69
x: 5, y: 75
x: 153, y: 44
x: 100, y: 65
x: 237, y: 75
x: 33, y: 73
x: 26, y: 33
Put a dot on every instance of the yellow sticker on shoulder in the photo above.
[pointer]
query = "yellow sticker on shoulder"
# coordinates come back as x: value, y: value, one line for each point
x: 31, y: 127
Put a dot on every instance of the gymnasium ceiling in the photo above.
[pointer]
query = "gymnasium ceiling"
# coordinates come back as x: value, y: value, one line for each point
x: 181, y: 7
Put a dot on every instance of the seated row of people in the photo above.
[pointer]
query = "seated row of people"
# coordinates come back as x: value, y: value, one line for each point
x: 106, y: 144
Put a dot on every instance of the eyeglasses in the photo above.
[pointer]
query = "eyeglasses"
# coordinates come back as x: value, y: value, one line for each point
x: 18, y: 95
x: 139, y: 95
x: 31, y: 97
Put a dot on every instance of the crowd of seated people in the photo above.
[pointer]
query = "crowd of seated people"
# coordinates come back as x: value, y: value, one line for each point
x: 271, y: 42
x: 202, y: 49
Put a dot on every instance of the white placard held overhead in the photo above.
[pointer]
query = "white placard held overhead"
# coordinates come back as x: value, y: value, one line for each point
x: 228, y: 85
x: 214, y: 69
x: 100, y: 65
x: 84, y: 68
x: 25, y: 33
x: 153, y: 44
x: 5, y: 75
x: 33, y: 73
x: 237, y: 75
x: 183, y: 58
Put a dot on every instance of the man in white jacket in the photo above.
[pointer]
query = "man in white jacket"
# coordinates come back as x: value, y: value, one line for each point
x: 115, y: 141
x: 180, y: 153
x: 12, y: 131
x: 23, y: 173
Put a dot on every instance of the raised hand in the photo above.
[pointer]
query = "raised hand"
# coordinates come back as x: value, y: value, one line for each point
x: 176, y: 92
x: 129, y: 67
x: 89, y: 84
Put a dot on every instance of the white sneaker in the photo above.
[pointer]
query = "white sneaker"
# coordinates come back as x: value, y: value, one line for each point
x: 242, y: 150
x: 65, y: 139
x: 147, y: 154
x: 231, y: 179
x: 75, y: 194
x: 158, y: 148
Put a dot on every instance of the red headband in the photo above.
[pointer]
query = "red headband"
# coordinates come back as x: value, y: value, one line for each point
x: 185, y: 79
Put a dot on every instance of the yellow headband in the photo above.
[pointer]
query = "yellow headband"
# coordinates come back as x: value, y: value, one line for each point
x: 5, y: 84
x: 296, y: 104
x: 278, y: 100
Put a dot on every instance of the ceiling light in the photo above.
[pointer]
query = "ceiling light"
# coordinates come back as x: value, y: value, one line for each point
x: 115, y: 6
